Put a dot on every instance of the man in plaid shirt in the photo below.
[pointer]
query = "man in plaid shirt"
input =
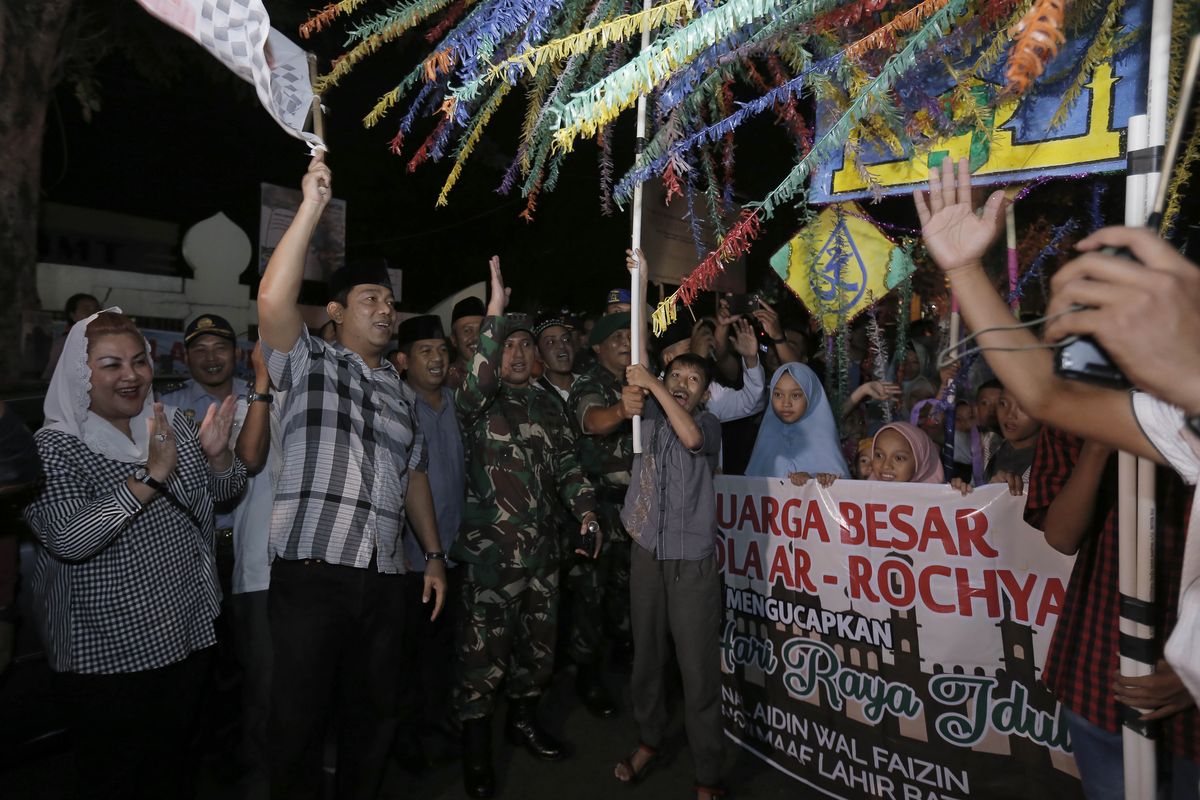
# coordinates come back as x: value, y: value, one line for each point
x: 353, y: 469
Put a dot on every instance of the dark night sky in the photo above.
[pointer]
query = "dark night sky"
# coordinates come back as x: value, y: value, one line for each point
x: 202, y: 144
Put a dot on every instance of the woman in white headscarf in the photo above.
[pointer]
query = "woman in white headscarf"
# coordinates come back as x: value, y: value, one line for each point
x: 125, y: 582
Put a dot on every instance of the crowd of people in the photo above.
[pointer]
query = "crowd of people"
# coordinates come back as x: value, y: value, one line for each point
x: 421, y: 526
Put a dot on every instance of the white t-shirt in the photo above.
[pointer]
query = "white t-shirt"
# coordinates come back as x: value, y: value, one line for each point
x: 252, y: 517
x: 1164, y: 426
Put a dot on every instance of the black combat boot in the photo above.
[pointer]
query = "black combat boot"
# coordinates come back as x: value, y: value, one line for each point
x: 589, y: 684
x: 478, y: 777
x: 523, y: 728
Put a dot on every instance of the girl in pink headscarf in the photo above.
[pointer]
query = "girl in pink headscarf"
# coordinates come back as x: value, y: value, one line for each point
x: 904, y: 453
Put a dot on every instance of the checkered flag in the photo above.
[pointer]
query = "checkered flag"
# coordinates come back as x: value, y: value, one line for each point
x: 239, y: 34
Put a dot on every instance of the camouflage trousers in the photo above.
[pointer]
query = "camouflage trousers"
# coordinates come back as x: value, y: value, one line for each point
x: 507, y: 636
x: 599, y: 591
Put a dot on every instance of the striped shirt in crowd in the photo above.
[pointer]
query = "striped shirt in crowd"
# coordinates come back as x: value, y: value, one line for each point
x: 123, y: 587
x: 350, y: 437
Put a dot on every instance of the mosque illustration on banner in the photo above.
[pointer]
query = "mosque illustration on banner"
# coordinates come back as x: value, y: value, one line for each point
x: 903, y: 663
x: 997, y: 651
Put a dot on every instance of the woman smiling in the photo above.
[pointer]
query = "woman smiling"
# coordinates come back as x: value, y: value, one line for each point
x: 125, y: 583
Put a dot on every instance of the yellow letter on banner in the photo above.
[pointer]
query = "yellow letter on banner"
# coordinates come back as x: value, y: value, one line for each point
x: 1097, y: 144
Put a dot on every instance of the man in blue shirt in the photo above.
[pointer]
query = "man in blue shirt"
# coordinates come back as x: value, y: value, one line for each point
x: 210, y: 352
x: 423, y: 359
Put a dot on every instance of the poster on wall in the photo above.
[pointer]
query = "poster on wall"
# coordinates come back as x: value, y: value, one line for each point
x: 887, y: 641
x: 669, y: 241
x: 327, y: 248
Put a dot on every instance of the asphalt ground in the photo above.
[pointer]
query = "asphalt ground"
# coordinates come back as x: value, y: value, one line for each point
x: 596, y: 746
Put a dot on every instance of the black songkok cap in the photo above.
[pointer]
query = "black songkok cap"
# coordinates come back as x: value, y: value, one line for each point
x: 414, y: 329
x: 549, y: 320
x: 357, y: 274
x: 467, y: 307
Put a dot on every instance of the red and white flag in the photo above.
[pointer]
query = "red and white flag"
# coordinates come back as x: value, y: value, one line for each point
x: 239, y: 34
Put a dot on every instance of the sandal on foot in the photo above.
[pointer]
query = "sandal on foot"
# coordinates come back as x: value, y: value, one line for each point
x: 636, y: 776
x: 711, y: 791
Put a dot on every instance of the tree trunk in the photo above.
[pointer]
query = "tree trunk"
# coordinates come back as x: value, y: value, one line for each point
x: 31, y: 33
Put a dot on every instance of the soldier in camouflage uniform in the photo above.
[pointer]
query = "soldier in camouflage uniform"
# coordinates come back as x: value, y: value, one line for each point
x: 601, y: 407
x: 520, y: 453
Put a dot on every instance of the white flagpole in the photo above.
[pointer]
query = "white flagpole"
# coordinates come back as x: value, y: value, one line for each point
x: 638, y: 302
x: 1152, y: 136
x: 1137, y: 749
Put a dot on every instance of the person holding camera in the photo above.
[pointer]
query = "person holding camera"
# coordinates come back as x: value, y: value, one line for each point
x: 1144, y: 314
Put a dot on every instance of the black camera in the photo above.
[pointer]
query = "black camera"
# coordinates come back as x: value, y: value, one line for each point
x: 1081, y: 358
x: 743, y: 305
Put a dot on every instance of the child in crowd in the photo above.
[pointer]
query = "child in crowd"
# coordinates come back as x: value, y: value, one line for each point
x: 1020, y: 432
x: 863, y: 459
x: 1011, y: 461
x: 798, y: 438
x: 987, y: 401
x: 968, y: 449
x: 903, y: 453
x: 675, y: 591
x: 916, y: 377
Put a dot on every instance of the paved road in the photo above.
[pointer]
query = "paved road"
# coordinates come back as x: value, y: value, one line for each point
x: 587, y: 775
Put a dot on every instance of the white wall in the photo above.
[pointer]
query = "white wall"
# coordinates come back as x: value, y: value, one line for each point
x: 215, y: 291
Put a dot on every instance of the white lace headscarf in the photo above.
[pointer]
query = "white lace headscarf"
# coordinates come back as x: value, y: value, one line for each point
x: 68, y: 402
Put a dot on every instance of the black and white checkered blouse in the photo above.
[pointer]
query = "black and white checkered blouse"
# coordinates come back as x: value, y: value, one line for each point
x: 123, y: 587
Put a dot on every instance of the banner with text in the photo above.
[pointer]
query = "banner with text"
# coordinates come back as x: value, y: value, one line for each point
x: 887, y: 640
x: 1024, y: 142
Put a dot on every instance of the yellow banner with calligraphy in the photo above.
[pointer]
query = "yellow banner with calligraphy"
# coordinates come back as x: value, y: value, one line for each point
x: 1030, y: 137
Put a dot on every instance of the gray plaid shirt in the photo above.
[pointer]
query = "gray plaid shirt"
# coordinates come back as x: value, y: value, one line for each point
x: 350, y: 437
x: 671, y: 506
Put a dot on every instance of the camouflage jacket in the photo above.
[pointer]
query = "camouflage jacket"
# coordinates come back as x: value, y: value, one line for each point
x: 606, y: 459
x: 520, y: 454
x: 455, y: 375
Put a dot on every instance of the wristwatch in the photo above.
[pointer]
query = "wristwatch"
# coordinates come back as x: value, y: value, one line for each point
x: 142, y: 476
x: 436, y: 555
x: 255, y: 397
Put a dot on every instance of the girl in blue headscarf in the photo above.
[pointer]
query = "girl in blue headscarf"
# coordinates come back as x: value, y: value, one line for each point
x: 798, y: 438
